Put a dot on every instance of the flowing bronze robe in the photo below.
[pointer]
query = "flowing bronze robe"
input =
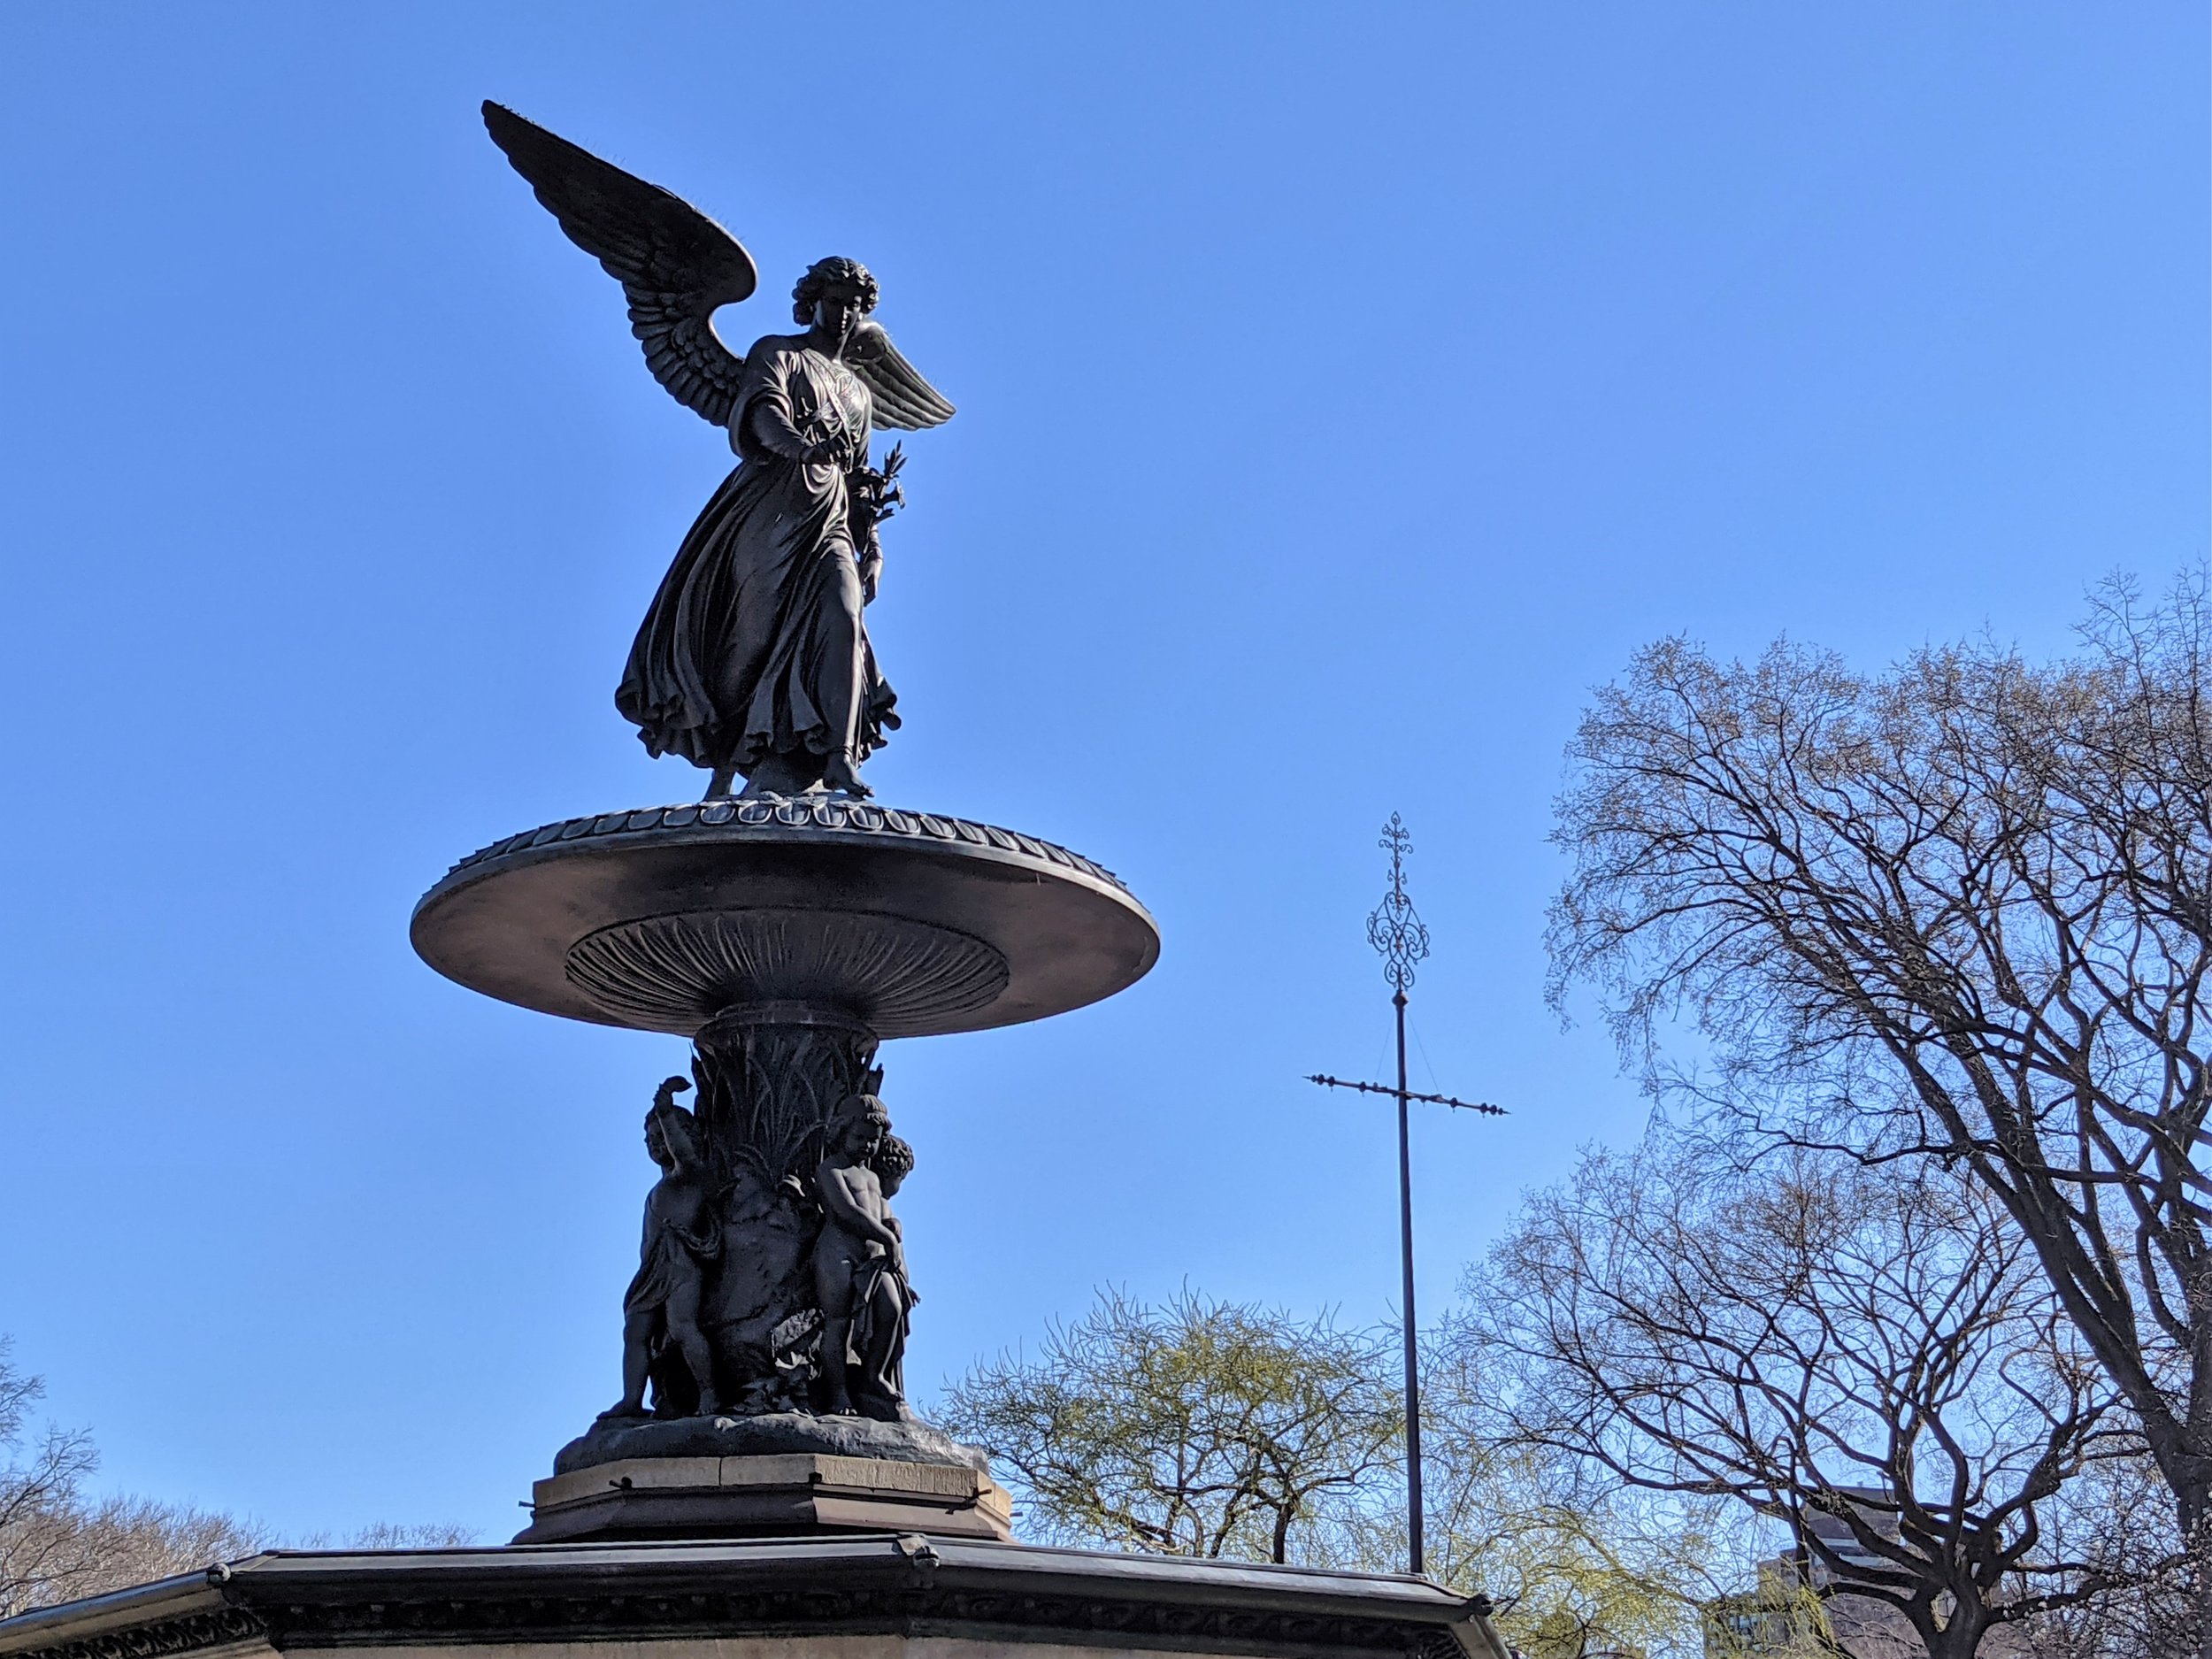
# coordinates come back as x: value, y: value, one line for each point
x: 755, y: 644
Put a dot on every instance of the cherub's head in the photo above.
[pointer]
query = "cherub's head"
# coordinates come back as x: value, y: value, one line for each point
x: 671, y: 1139
x: 893, y: 1162
x: 859, y: 1124
x: 834, y: 295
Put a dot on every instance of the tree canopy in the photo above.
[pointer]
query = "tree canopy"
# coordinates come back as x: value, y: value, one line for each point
x: 1960, y: 910
x: 1196, y: 1427
x: 1865, y: 1355
x: 1234, y: 1431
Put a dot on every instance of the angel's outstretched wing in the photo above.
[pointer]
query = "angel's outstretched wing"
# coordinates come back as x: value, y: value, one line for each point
x: 674, y: 263
x: 903, y: 399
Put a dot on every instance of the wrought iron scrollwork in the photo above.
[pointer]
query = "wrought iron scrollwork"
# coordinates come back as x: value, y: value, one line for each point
x: 1399, y: 936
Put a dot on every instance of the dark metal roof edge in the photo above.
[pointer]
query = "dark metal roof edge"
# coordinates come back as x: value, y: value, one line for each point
x: 286, y: 1597
x: 1239, y: 1581
x: 175, y: 1597
x: 674, y: 1563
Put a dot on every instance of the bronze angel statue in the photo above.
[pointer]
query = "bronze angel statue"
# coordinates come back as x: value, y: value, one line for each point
x: 754, y: 660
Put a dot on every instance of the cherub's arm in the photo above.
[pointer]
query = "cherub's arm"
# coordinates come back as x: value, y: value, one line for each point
x: 838, y: 1200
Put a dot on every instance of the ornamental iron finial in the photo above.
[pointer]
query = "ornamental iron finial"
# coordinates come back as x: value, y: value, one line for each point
x: 1399, y: 936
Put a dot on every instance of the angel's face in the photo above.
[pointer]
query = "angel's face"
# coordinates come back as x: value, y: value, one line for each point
x: 837, y: 315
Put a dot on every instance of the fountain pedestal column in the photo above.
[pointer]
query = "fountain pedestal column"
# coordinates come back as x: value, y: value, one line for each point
x: 787, y: 938
x: 770, y: 1075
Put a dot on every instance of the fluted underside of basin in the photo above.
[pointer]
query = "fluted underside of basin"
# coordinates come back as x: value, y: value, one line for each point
x: 899, y: 975
x: 911, y: 923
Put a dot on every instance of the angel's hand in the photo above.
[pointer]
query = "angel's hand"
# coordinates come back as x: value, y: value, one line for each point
x: 870, y: 577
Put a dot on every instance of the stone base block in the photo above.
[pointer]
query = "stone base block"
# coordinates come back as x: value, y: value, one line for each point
x: 735, y: 1497
x: 662, y: 1440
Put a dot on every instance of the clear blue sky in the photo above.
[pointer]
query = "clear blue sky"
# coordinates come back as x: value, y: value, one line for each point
x: 1343, y: 391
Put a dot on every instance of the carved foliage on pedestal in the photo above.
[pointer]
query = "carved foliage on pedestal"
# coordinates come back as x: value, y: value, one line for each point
x: 766, y: 1090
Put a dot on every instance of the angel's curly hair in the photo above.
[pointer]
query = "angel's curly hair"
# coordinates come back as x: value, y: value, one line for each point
x: 825, y: 275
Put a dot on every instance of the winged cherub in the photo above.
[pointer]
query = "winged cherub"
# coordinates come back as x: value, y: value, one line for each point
x: 754, y: 660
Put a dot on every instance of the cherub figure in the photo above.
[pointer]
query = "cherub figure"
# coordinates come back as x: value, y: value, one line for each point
x: 660, y: 1312
x: 860, y: 1264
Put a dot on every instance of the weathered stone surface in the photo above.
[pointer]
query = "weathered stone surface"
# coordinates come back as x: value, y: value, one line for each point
x: 782, y: 1494
x: 611, y: 1440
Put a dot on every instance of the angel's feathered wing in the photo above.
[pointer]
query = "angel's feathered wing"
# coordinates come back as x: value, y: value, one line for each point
x: 675, y: 264
x: 903, y: 399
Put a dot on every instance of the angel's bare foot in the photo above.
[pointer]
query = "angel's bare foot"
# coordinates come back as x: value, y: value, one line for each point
x: 719, y: 789
x: 838, y: 773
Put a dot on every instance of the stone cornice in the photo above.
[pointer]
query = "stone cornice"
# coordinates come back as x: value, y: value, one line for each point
x: 907, y: 1586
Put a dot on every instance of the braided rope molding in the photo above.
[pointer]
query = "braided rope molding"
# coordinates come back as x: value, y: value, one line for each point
x: 816, y: 812
x: 188, y: 1634
x: 920, y: 1610
x: 929, y: 1610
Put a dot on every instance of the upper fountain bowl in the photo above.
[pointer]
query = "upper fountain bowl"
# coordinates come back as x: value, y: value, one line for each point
x: 911, y: 923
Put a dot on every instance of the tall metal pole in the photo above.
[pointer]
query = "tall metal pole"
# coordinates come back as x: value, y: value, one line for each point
x: 1400, y: 939
x: 1412, y: 1325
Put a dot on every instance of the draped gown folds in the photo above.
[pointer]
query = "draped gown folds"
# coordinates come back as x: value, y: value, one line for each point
x: 755, y: 646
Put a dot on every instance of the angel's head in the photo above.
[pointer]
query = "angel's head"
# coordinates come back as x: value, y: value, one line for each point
x: 834, y: 295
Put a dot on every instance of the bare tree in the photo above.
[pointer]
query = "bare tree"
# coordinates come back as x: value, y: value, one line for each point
x: 58, y: 1543
x: 1869, y: 1355
x: 1578, y: 1565
x: 1201, y: 1428
x: 2117, y: 1517
x: 87, y: 1549
x: 1962, y: 910
x: 31, y: 1489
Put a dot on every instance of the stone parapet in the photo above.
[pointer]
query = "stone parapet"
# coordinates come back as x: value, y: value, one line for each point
x: 707, y: 1497
x: 906, y: 1596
